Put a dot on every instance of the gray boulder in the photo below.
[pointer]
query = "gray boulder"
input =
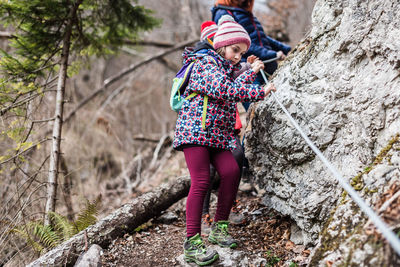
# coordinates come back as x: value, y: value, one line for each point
x: 91, y: 258
x: 342, y: 85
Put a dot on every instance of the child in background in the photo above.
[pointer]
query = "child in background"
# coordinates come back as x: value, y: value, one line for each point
x: 208, y: 30
x: 210, y: 140
x: 262, y: 46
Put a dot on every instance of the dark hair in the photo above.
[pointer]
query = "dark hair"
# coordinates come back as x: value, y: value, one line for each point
x: 221, y: 51
x: 245, y: 4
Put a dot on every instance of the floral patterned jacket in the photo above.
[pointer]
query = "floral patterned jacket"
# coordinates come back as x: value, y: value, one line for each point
x: 214, y: 79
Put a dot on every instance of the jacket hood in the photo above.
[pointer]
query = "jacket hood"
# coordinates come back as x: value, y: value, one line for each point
x: 214, y: 9
x: 202, y: 45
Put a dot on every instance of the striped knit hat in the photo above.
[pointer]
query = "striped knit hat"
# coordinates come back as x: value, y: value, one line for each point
x: 230, y: 32
x: 208, y: 30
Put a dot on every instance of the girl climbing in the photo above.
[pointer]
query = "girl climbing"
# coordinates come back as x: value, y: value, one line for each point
x: 208, y: 137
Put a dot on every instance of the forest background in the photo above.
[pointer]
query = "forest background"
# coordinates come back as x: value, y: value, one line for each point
x: 117, y: 124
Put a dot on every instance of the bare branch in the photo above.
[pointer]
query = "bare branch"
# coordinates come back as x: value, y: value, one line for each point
x: 149, y: 43
x: 389, y: 201
x: 134, y: 166
x: 384, y: 206
x: 111, y: 97
x: 19, y: 103
x: 23, y: 101
x: 145, y: 139
x: 28, y: 183
x: 160, y: 144
x: 169, y: 64
x: 130, y: 51
x: 44, y: 120
x: 26, y: 150
x: 164, y: 158
x: 138, y: 172
x: 124, y: 72
x: 5, y: 35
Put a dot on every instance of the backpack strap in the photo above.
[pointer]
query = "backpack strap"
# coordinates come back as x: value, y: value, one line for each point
x: 205, y: 103
x: 203, y: 118
x: 185, y: 77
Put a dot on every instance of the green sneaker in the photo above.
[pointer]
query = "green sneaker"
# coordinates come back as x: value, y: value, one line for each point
x: 195, y: 251
x: 219, y: 235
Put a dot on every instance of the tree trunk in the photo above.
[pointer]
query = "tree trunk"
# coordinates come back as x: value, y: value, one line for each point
x: 57, y: 127
x: 58, y: 119
x: 66, y: 188
x: 122, y: 221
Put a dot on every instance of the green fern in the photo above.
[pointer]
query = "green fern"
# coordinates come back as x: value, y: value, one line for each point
x: 43, y: 237
x: 22, y: 232
x: 63, y: 226
x: 37, y: 235
x: 46, y: 235
x: 88, y: 215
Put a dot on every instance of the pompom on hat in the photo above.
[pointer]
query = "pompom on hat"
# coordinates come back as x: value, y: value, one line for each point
x: 230, y: 32
x: 208, y: 30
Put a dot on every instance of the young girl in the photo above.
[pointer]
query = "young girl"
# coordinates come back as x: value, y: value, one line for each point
x: 208, y: 137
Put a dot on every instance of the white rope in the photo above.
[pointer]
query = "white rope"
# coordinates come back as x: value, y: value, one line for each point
x: 270, y: 60
x: 387, y: 233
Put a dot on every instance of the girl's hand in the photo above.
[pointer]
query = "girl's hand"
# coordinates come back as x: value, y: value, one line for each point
x: 268, y: 88
x: 251, y: 59
x: 257, y: 65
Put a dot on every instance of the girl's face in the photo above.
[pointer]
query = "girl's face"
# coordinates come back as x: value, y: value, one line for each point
x: 235, y: 52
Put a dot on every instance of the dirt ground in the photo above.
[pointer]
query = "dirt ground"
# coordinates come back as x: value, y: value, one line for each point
x: 262, y: 234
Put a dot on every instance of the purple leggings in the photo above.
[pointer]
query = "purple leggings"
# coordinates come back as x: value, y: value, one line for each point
x: 198, y: 159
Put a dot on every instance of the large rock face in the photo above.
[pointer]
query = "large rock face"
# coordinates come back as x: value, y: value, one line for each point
x: 342, y: 85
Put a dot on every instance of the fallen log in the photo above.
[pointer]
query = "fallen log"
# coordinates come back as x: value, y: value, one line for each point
x: 123, y: 220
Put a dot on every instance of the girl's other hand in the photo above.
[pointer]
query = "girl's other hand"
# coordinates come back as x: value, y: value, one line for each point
x: 251, y: 59
x: 280, y: 55
x: 257, y: 65
x: 268, y: 88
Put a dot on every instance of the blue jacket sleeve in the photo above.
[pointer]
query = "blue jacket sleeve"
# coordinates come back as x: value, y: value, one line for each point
x: 261, y: 52
x: 210, y: 80
x: 278, y: 46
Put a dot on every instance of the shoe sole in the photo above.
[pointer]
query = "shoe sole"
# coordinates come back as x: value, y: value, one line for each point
x: 187, y: 259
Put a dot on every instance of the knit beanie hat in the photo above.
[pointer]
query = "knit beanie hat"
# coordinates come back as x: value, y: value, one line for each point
x: 230, y: 32
x: 208, y: 30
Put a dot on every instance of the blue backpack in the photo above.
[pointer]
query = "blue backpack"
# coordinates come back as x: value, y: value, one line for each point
x: 179, y: 84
